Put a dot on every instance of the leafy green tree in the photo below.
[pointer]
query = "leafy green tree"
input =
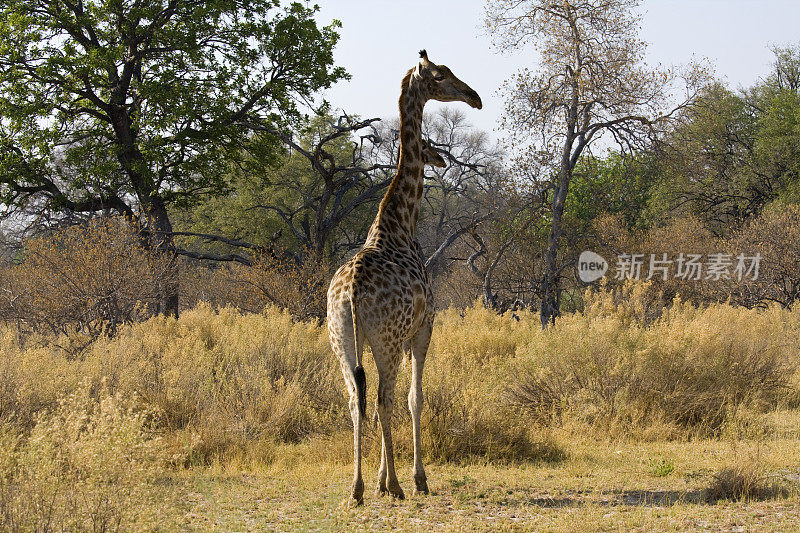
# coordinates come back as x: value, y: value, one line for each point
x: 733, y: 153
x: 707, y: 166
x: 777, y: 144
x: 133, y: 106
x: 617, y: 184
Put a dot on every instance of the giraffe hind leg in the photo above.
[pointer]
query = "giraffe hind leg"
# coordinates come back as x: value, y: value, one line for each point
x: 342, y: 336
x: 388, y: 362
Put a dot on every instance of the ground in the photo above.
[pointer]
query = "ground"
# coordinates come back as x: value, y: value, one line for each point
x: 603, y: 486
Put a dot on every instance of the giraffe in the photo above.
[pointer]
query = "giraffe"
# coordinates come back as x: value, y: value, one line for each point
x: 382, y: 295
x: 431, y: 157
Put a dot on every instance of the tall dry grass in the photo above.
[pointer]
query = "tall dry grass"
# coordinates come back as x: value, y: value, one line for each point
x: 694, y: 369
x: 87, y: 465
x: 227, y: 384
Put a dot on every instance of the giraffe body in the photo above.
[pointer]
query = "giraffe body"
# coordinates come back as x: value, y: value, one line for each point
x: 383, y: 295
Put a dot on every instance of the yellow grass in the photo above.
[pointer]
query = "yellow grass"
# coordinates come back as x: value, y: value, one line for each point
x: 225, y: 420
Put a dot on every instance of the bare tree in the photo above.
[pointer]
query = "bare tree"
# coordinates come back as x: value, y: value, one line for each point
x: 343, y: 177
x: 591, y: 81
x: 457, y: 197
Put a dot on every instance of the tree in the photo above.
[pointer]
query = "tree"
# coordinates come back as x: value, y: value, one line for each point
x: 707, y: 164
x: 732, y: 153
x: 132, y: 106
x: 322, y: 193
x: 591, y: 81
x: 458, y: 196
x: 315, y: 195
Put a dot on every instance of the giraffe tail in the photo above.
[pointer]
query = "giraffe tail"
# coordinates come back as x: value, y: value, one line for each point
x: 358, y: 372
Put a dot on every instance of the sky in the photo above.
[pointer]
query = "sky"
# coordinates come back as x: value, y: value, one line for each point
x: 380, y: 40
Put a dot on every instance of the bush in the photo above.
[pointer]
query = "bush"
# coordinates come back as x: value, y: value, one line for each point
x: 229, y: 385
x: 775, y: 235
x: 83, y: 466
x: 465, y: 415
x: 693, y: 368
x: 85, y: 280
x: 745, y: 478
x: 268, y: 282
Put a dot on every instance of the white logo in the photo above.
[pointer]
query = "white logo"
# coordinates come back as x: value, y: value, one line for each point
x: 591, y: 266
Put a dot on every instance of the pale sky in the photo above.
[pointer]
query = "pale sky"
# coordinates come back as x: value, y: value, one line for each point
x: 380, y: 40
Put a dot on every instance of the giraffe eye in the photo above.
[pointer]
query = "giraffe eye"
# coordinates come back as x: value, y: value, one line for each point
x: 438, y: 76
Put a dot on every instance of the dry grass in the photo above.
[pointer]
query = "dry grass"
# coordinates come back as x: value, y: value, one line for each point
x: 89, y: 465
x: 690, y: 371
x: 239, y: 421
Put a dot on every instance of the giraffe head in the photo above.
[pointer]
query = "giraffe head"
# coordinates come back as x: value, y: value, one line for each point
x: 441, y: 84
x: 430, y: 156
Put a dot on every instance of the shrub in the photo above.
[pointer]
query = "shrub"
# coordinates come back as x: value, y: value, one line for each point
x: 775, y: 235
x: 85, y: 280
x: 230, y: 379
x: 660, y: 466
x: 268, y: 282
x: 692, y: 368
x: 227, y: 384
x: 82, y: 467
x: 465, y: 415
x: 746, y: 478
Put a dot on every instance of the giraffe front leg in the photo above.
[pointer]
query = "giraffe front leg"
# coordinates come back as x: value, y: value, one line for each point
x: 419, y: 349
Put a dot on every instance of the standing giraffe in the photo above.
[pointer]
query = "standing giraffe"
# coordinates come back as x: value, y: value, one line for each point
x: 383, y: 294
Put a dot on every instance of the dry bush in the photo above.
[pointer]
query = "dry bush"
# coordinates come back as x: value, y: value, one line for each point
x: 220, y: 380
x: 465, y: 416
x: 693, y: 368
x: 680, y: 235
x: 745, y: 479
x: 299, y: 288
x: 84, y: 467
x: 84, y: 279
x: 775, y: 235
x: 228, y: 380
x: 229, y: 385
x: 455, y: 287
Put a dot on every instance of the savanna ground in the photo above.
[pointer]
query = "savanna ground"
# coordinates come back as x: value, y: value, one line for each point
x: 612, y: 420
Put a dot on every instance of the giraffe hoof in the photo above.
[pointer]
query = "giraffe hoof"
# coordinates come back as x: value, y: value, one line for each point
x: 380, y: 490
x: 421, y: 485
x: 353, y: 502
x: 397, y: 493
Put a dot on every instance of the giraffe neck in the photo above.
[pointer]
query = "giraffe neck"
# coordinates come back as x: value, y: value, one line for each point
x: 399, y: 209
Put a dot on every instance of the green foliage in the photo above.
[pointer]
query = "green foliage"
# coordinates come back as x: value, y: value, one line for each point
x: 734, y: 153
x: 615, y: 185
x: 102, y: 100
x: 660, y: 466
x: 777, y: 142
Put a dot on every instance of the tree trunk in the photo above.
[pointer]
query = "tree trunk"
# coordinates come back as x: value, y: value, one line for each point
x: 549, y: 287
x: 163, y: 242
